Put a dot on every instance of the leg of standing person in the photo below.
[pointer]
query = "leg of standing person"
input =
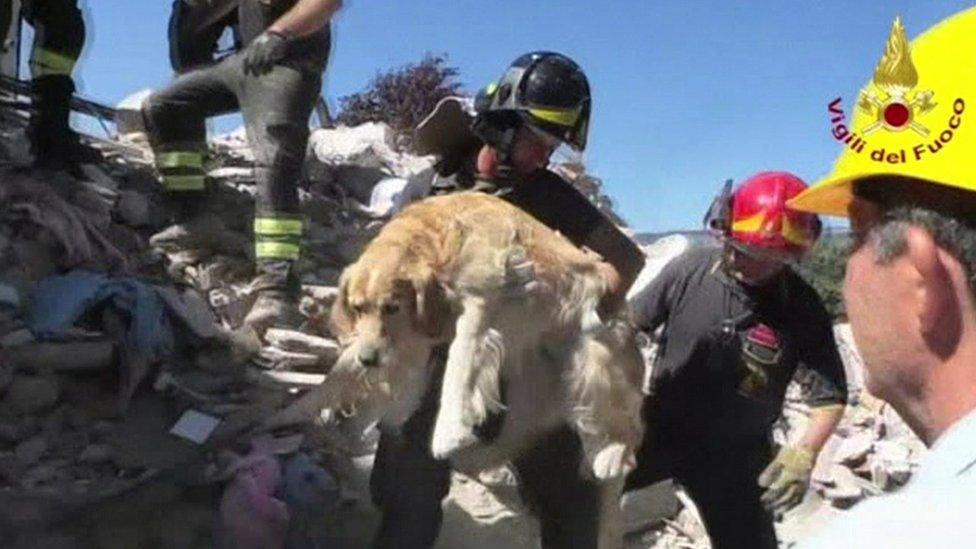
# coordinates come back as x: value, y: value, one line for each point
x: 175, y: 119
x: 407, y: 483
x: 552, y: 484
x: 59, y: 36
x: 276, y: 107
x: 721, y: 478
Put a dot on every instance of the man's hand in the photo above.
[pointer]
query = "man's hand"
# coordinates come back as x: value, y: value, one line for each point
x: 520, y: 279
x: 786, y: 479
x: 262, y: 54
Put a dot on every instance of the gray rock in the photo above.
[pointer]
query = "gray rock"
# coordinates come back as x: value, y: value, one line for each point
x: 649, y: 506
x: 102, y: 429
x: 31, y: 450
x: 16, y: 430
x: 16, y: 338
x: 9, y: 296
x: 855, y: 449
x: 133, y: 209
x: 6, y: 377
x: 96, y: 453
x: 32, y: 394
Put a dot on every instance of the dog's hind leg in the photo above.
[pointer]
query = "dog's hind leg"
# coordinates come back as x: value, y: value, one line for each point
x: 607, y: 401
x: 457, y: 418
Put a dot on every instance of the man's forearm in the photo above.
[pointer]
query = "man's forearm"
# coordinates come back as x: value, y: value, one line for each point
x: 306, y: 17
x: 823, y: 421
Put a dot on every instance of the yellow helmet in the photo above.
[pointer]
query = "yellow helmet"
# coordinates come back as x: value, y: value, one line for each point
x: 916, y: 118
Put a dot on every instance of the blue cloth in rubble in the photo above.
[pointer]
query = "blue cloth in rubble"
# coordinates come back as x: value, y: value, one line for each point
x: 59, y: 301
x: 311, y: 494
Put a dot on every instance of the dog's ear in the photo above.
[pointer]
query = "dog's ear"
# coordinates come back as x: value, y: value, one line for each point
x: 341, y: 319
x: 433, y: 312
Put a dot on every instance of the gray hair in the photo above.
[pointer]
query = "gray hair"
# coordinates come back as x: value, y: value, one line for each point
x: 949, y: 232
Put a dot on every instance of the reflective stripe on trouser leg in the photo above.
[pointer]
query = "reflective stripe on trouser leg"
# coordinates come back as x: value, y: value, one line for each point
x: 45, y: 62
x: 278, y: 237
x: 181, y: 170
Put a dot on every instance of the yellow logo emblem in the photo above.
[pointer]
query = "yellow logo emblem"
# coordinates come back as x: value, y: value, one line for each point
x: 892, y: 100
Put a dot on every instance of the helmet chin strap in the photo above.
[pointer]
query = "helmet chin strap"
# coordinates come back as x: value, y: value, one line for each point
x: 502, y: 140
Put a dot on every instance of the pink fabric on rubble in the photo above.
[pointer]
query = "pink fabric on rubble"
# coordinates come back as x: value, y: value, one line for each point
x: 251, y: 516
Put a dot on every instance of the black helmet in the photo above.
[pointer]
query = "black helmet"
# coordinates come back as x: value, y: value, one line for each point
x: 546, y: 90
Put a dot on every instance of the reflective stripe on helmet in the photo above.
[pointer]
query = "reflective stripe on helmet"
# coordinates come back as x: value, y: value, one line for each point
x: 758, y: 224
x: 753, y: 224
x: 561, y: 117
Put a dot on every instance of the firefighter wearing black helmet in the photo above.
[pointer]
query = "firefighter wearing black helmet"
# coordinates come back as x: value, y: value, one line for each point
x: 540, y: 102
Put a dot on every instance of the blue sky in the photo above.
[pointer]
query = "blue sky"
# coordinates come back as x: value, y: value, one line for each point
x: 686, y: 93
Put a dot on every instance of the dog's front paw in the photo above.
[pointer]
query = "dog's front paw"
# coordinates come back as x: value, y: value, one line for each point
x: 451, y: 437
x: 614, y: 461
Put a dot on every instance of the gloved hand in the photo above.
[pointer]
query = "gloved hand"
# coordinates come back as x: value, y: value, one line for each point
x: 520, y: 279
x: 266, y: 50
x: 786, y: 479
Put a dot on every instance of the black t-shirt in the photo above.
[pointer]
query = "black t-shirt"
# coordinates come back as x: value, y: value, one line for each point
x: 729, y: 350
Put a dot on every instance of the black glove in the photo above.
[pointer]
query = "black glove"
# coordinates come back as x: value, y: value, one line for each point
x: 266, y: 50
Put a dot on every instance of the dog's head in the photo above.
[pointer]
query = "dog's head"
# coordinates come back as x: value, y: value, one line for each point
x: 385, y: 308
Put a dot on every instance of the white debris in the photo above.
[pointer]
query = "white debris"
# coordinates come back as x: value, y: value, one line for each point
x: 658, y: 254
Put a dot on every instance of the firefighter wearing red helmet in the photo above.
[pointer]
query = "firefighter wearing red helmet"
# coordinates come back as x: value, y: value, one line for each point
x: 738, y: 322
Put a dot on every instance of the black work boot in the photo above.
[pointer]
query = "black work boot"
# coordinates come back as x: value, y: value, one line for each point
x: 53, y: 143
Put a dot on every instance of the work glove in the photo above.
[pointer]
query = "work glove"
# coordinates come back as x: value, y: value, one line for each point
x: 266, y: 50
x: 786, y: 479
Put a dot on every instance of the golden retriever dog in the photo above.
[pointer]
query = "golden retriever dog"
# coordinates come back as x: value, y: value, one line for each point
x: 516, y: 303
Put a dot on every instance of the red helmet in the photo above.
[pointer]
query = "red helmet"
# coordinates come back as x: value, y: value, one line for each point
x: 761, y: 219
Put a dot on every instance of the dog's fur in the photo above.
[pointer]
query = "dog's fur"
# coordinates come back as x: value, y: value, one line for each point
x: 447, y: 270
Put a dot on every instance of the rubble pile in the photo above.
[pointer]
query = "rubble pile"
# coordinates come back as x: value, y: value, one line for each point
x: 873, y: 450
x: 120, y: 366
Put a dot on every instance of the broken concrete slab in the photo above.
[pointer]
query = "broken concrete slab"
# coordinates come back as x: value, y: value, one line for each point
x: 70, y: 356
x: 299, y: 342
x: 649, y: 506
x: 278, y: 359
x: 854, y: 450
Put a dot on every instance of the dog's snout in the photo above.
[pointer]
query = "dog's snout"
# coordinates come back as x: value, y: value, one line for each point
x: 369, y: 356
